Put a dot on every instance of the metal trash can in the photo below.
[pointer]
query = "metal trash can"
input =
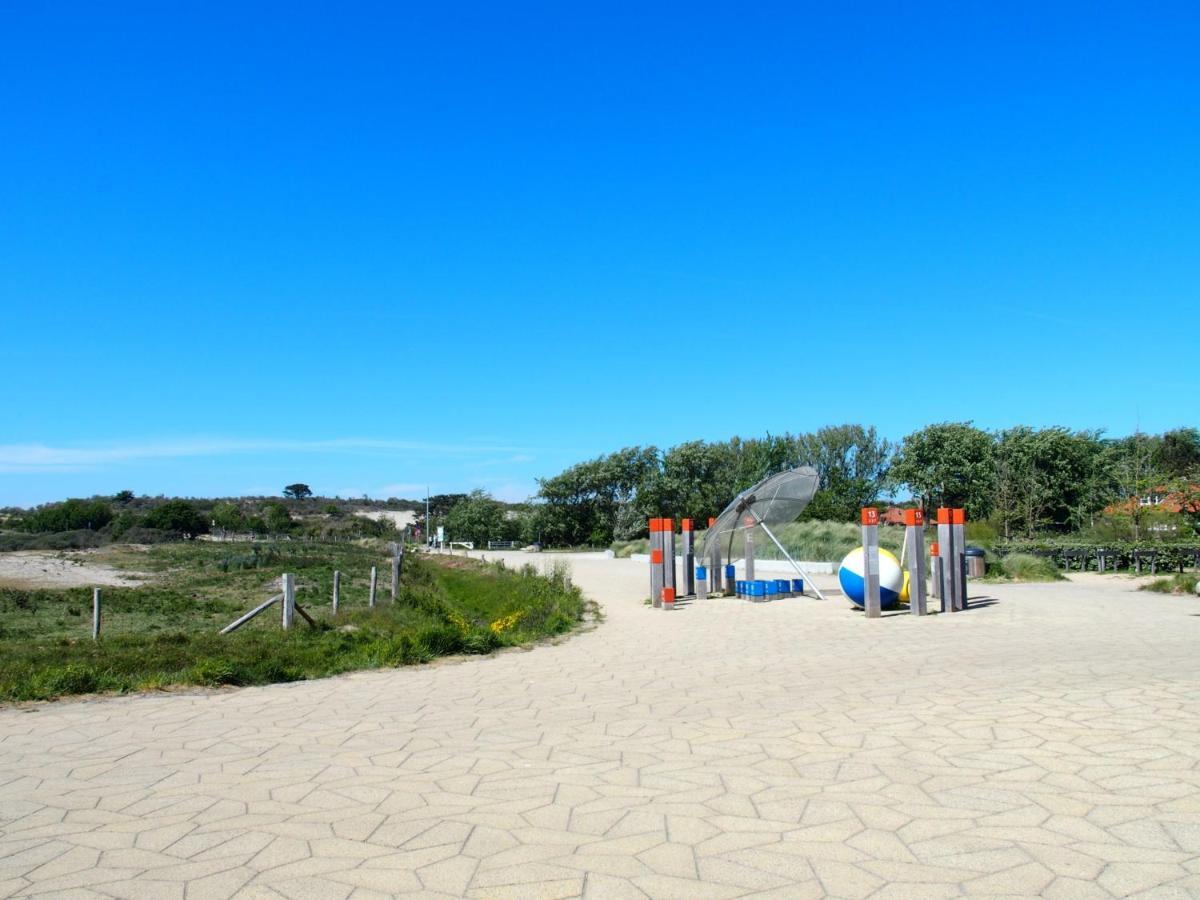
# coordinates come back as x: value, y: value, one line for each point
x: 976, y: 562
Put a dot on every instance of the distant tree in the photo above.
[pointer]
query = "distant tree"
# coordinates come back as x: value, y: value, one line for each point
x: 179, y: 516
x: 1177, y: 454
x: 297, y: 491
x: 278, y: 519
x: 122, y: 496
x: 228, y: 517
x: 332, y: 509
x: 480, y: 519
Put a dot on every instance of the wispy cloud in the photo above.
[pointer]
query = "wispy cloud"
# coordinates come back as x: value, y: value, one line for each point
x: 32, y: 458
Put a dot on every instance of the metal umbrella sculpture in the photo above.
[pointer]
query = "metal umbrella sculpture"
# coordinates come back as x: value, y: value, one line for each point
x: 774, y: 501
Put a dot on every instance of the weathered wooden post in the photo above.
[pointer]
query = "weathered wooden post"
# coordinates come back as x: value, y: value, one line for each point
x: 668, y: 534
x: 945, y: 543
x: 689, y: 557
x: 958, y: 524
x: 289, y: 600
x: 701, y: 583
x: 914, y: 539
x: 395, y: 570
x: 935, y: 574
x: 656, y: 561
x: 714, y: 562
x: 870, y: 538
x: 95, y: 614
x: 374, y: 580
x: 337, y: 590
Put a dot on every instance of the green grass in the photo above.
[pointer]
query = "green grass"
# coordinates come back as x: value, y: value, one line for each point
x: 1026, y: 567
x: 165, y: 633
x: 1184, y: 583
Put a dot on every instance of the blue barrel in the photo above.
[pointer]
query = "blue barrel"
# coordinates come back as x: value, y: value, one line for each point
x: 758, y: 589
x: 701, y: 573
x: 739, y: 589
x: 783, y: 587
x: 772, y: 590
x: 797, y: 586
x: 730, y: 574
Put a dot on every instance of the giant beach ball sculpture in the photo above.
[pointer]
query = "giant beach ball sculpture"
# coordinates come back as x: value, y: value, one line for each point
x: 893, y: 581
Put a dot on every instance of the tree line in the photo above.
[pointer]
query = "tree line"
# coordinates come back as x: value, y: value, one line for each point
x: 1024, y: 481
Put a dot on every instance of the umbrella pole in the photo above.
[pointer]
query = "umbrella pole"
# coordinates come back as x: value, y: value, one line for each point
x: 788, y: 556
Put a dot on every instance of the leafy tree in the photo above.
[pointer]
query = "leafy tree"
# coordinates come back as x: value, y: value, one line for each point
x: 1042, y: 477
x: 122, y: 497
x: 480, y: 519
x: 179, y: 516
x: 1177, y: 454
x: 297, y: 491
x: 581, y: 504
x: 853, y: 463
x: 228, y: 517
x: 278, y: 519
x: 948, y: 464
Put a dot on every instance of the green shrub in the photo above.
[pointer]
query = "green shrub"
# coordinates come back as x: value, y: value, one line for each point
x: 70, y: 515
x: 1025, y: 567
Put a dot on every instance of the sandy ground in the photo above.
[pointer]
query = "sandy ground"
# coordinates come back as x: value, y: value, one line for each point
x: 62, y: 568
x: 1045, y: 742
x: 401, y: 518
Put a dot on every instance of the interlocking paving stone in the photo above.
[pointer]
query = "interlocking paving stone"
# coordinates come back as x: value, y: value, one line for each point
x: 1045, y: 742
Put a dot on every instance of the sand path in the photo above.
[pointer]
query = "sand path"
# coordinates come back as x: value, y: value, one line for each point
x: 1045, y: 742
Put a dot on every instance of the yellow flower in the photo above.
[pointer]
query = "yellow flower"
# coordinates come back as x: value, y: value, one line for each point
x: 504, y: 624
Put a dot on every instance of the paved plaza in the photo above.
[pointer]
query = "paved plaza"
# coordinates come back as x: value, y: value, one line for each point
x: 1046, y: 742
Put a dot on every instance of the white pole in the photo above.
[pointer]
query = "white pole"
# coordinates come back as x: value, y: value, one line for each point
x: 337, y: 590
x: 95, y: 614
x: 374, y: 580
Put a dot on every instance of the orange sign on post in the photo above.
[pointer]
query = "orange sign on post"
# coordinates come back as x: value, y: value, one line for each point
x: 934, y: 550
x: 944, y: 515
x: 958, y: 517
x: 685, y: 525
x: 914, y: 517
x: 870, y: 515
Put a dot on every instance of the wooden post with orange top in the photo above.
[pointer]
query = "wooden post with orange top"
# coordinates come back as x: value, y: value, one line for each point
x: 945, y: 533
x: 668, y: 536
x: 870, y: 536
x: 656, y: 561
x: 689, y: 557
x: 914, y: 550
x: 935, y: 572
x: 958, y: 526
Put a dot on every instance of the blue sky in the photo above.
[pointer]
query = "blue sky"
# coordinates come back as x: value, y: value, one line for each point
x: 376, y: 246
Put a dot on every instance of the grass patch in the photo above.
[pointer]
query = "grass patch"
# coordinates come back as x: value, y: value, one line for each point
x: 1026, y: 567
x: 165, y: 633
x: 1184, y: 583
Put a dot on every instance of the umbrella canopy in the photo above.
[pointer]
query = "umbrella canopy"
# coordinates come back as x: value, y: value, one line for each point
x: 777, y: 500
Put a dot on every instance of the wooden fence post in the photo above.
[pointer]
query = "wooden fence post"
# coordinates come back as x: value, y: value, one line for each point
x: 95, y: 614
x: 337, y: 590
x: 289, y: 600
x: 374, y: 579
x: 397, y: 553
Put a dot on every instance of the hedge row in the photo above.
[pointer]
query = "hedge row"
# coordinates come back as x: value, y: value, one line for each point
x: 1170, y: 556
